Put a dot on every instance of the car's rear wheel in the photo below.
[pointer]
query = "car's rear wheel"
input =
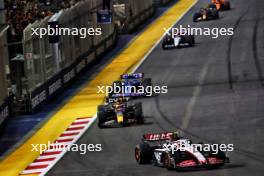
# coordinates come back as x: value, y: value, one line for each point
x: 143, y: 153
x: 227, y: 5
x: 215, y: 14
x: 191, y: 40
x: 138, y: 113
x: 147, y: 82
x: 163, y: 45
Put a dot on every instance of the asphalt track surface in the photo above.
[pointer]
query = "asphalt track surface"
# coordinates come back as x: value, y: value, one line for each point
x: 200, y: 101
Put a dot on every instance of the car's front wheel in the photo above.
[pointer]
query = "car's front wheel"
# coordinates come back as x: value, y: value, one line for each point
x: 196, y: 16
x: 167, y: 161
x: 101, y: 115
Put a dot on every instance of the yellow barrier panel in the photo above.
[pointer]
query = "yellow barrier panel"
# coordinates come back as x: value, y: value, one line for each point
x: 85, y: 102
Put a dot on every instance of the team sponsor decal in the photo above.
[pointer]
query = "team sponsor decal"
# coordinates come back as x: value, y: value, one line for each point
x: 38, y: 99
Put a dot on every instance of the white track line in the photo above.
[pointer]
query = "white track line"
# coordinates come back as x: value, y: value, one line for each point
x: 196, y: 92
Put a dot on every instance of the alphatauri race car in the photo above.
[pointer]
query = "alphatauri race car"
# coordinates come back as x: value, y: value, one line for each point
x: 220, y: 5
x: 206, y: 14
x: 134, y: 79
x: 130, y: 85
x: 119, y: 113
x: 171, y: 151
x: 178, y: 41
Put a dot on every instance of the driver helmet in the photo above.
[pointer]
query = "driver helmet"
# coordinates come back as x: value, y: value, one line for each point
x: 175, y: 135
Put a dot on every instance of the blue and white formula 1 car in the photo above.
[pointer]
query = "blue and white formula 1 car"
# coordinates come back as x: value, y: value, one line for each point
x: 130, y: 85
x: 134, y: 79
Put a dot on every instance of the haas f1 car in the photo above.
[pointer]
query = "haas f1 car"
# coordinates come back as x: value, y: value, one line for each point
x: 220, y: 5
x: 119, y: 113
x: 206, y: 14
x: 129, y: 84
x: 178, y: 41
x: 173, y: 152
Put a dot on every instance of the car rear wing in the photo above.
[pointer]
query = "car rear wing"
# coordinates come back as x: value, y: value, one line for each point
x: 157, y: 136
x: 132, y: 76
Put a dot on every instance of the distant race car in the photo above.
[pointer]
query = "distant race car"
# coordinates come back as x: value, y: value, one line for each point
x: 134, y: 79
x: 178, y: 41
x: 117, y: 112
x: 130, y: 83
x: 206, y: 14
x: 220, y: 5
x: 171, y: 151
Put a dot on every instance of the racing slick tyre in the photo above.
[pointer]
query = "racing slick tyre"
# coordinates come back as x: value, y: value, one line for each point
x: 196, y: 16
x: 143, y: 153
x: 146, y: 82
x: 216, y: 15
x: 100, y: 108
x: 138, y: 113
x: 101, y: 118
x: 226, y: 6
x: 167, y: 161
x: 163, y: 46
x: 191, y: 40
x: 221, y: 155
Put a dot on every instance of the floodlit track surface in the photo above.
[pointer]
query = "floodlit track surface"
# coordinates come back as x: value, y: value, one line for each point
x: 200, y: 101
